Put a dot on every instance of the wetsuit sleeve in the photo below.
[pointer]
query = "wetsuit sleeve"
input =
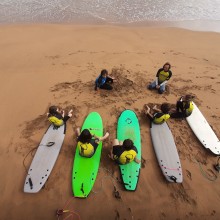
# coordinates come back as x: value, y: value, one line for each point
x: 97, y: 82
x: 158, y: 72
x: 157, y: 75
x: 117, y: 151
x: 170, y: 74
x: 135, y: 149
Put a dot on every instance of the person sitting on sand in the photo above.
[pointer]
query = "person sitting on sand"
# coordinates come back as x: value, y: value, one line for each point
x: 162, y: 77
x: 104, y: 81
x: 57, y: 117
x: 184, y: 107
x: 160, y: 115
x: 124, y: 153
x: 88, y: 143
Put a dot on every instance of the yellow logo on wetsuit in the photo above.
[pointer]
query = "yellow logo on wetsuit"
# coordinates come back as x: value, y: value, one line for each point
x: 85, y: 150
x: 55, y: 121
x: 163, y: 76
x: 161, y: 119
x: 127, y: 157
x: 190, y: 109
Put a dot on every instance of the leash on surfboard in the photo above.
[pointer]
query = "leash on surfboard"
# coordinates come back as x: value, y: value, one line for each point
x: 213, y: 178
x: 48, y: 144
x: 71, y: 213
x: 26, y: 157
x: 116, y: 193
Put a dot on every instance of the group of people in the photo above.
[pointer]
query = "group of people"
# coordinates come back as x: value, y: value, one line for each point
x: 125, y: 152
x: 104, y: 80
x: 184, y: 108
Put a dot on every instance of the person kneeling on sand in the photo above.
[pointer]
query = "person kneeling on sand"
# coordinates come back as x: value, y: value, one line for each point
x: 184, y: 107
x: 160, y: 115
x: 162, y: 77
x: 124, y: 153
x: 104, y: 81
x: 57, y: 117
x: 88, y: 143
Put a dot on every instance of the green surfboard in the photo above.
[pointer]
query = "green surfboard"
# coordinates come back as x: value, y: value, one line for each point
x: 128, y: 128
x: 85, y: 169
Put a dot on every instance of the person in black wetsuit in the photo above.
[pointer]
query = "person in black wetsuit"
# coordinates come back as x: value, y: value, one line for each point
x: 162, y: 77
x: 103, y: 81
x: 160, y: 115
x: 57, y: 117
x: 124, y: 152
x: 88, y: 143
x: 184, y: 107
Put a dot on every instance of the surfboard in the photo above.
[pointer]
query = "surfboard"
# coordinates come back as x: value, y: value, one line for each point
x: 85, y: 169
x: 44, y: 159
x: 166, y: 152
x: 203, y: 131
x: 128, y: 128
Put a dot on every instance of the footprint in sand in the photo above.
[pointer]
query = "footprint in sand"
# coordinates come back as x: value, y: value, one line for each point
x: 143, y: 162
x: 188, y: 174
x: 117, y: 217
x: 213, y: 212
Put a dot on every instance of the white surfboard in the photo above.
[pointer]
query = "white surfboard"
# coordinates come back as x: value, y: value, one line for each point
x: 166, y: 152
x: 203, y: 131
x: 44, y: 159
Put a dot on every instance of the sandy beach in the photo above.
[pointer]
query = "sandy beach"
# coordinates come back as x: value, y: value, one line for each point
x: 41, y: 65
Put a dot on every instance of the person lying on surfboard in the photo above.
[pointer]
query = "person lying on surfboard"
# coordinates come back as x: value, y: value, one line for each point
x: 162, y: 77
x: 57, y: 117
x: 160, y: 115
x: 184, y: 107
x: 124, y: 153
x: 103, y: 81
x: 88, y: 143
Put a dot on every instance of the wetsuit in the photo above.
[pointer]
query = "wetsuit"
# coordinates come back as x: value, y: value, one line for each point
x: 122, y: 156
x: 160, y: 118
x: 57, y: 119
x: 161, y: 79
x: 183, y: 109
x: 87, y: 149
x: 103, y: 83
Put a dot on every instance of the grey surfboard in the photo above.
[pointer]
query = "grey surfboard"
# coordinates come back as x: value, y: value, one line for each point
x: 166, y: 152
x: 44, y: 159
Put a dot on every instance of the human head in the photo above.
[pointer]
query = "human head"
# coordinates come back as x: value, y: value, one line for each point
x: 128, y: 144
x: 188, y: 98
x: 166, y: 66
x: 165, y: 108
x: 53, y: 109
x: 85, y: 136
x: 104, y: 73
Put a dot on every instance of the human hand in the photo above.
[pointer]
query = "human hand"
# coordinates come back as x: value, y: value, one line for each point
x: 63, y: 113
x: 70, y: 113
x: 137, y: 160
x: 158, y: 86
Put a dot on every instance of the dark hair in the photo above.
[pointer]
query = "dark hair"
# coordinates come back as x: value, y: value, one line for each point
x: 189, y: 97
x: 53, y: 110
x: 85, y: 136
x: 167, y: 63
x: 128, y: 144
x: 103, y: 72
x: 165, y: 108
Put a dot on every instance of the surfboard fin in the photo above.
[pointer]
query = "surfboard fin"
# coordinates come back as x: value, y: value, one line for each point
x: 173, y: 178
x: 30, y: 183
